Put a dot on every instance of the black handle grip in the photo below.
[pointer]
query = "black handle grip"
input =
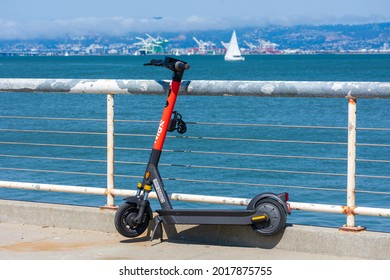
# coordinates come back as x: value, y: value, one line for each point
x: 170, y: 63
x: 181, y: 66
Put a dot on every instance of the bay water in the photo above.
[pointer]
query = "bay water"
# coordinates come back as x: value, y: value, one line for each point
x: 317, y: 181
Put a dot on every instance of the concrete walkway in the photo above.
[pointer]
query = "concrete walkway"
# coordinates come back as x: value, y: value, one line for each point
x: 47, y: 231
x: 52, y: 243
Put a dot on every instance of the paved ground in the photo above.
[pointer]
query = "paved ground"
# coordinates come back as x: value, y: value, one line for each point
x: 26, y: 242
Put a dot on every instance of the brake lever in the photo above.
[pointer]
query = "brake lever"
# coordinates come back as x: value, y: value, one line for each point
x: 155, y: 62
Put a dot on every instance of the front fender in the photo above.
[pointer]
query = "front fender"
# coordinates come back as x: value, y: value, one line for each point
x: 137, y: 201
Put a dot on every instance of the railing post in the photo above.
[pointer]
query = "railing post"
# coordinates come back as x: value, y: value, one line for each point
x: 351, y: 168
x: 110, y: 151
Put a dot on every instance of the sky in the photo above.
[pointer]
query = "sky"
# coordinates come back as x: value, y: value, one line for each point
x: 29, y: 19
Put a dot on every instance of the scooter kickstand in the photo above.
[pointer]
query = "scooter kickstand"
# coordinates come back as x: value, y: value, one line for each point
x: 157, y: 223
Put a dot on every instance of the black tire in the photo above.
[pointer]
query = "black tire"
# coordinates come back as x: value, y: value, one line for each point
x: 124, y: 223
x: 277, y: 217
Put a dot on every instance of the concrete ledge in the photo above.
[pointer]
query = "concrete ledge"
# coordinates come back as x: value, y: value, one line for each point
x: 315, y: 240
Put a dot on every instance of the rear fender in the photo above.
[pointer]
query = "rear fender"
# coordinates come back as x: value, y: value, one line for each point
x: 276, y: 197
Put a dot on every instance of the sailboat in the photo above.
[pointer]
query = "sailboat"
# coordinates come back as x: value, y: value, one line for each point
x: 233, y: 52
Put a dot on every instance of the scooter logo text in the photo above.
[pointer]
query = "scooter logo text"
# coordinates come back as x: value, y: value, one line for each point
x: 160, y: 129
x: 158, y: 191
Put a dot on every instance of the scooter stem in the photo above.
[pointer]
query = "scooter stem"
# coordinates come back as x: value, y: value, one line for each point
x: 152, y: 175
x: 166, y: 115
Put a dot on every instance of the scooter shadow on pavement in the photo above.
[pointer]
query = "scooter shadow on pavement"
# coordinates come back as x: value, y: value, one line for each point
x: 222, y: 235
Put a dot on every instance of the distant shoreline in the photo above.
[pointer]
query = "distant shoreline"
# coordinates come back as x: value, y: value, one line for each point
x: 169, y: 54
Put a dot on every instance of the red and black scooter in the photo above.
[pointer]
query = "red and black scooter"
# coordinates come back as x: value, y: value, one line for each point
x: 266, y: 212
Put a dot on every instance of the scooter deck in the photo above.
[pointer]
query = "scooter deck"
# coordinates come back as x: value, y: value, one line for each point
x: 211, y: 216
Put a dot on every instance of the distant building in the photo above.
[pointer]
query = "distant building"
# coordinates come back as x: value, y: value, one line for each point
x: 95, y: 49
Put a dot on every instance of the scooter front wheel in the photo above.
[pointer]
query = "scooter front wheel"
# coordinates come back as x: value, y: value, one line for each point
x: 124, y: 220
x: 277, y: 217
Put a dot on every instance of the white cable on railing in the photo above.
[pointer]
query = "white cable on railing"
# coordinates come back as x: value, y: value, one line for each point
x: 191, y: 137
x: 374, y: 160
x: 199, y: 123
x: 372, y: 145
x: 52, y: 118
x: 374, y: 128
x: 267, y: 125
x: 212, y: 182
x: 235, y: 139
x: 373, y: 176
x: 53, y: 145
x: 251, y: 169
x: 51, y: 131
x: 54, y: 158
x: 254, y: 155
x: 53, y: 171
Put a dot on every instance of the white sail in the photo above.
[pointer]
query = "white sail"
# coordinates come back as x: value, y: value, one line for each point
x: 233, y: 52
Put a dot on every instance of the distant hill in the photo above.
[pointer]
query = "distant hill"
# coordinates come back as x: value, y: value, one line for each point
x: 336, y: 37
x: 305, y: 37
x: 324, y: 37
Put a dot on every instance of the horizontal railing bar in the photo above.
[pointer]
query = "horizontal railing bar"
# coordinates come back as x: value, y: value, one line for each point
x: 53, y: 188
x: 336, y: 209
x: 194, y: 198
x: 203, y: 87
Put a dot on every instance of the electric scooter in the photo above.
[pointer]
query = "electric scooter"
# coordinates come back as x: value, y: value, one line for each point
x: 266, y: 212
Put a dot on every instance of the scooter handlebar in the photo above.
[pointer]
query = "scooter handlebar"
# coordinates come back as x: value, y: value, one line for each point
x: 155, y: 62
x: 170, y: 63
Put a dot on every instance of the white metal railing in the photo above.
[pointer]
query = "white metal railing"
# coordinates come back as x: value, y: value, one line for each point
x: 349, y: 90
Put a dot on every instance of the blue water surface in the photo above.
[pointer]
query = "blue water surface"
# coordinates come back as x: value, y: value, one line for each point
x: 257, y: 173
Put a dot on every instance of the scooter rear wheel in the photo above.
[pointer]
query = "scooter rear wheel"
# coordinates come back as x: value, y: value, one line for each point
x: 277, y: 217
x: 125, y: 224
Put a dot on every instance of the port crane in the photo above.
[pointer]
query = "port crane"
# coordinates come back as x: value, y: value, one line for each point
x: 205, y: 47
x: 151, y: 45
